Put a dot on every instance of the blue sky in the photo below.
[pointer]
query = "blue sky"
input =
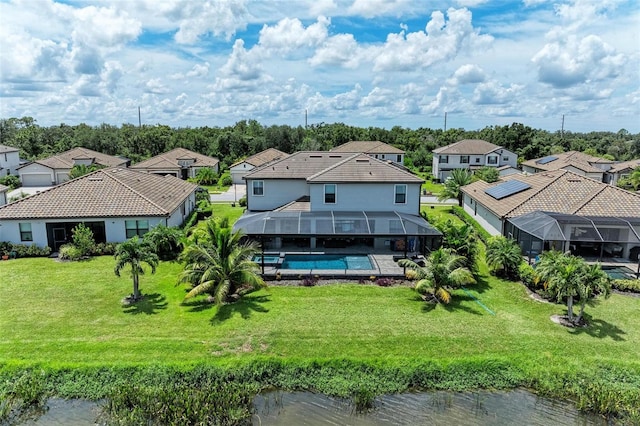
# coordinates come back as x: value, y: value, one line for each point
x: 361, y: 62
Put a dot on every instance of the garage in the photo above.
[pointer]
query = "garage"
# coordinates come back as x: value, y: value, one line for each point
x: 35, y: 179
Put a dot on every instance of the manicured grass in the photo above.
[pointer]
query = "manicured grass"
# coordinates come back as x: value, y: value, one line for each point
x: 440, y: 212
x: 226, y: 210
x: 70, y: 313
x: 215, y: 189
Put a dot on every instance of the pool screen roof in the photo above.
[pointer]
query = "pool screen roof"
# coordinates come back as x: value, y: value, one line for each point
x: 568, y: 227
x: 362, y: 223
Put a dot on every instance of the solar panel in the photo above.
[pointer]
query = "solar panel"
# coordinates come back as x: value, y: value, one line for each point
x: 507, y: 189
x: 545, y: 160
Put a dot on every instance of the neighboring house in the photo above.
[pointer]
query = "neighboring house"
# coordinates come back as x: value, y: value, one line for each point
x: 4, y: 190
x: 375, y: 149
x: 115, y: 203
x: 574, y: 161
x: 582, y: 201
x: 9, y: 160
x: 621, y: 170
x: 508, y: 170
x: 55, y: 170
x: 330, y: 199
x: 470, y: 154
x: 178, y: 162
x: 241, y: 168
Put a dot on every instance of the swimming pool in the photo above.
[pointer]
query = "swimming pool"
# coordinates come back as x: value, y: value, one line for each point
x: 619, y: 272
x: 269, y: 259
x: 327, y: 261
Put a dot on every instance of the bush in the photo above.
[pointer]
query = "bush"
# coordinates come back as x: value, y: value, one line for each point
x: 31, y: 250
x: 309, y: 281
x: 243, y: 201
x: 11, y: 181
x: 411, y: 274
x: 466, y: 218
x: 69, y: 252
x: 83, y: 239
x: 225, y: 179
x: 527, y: 274
x: 626, y: 285
x: 101, y: 249
x: 384, y: 282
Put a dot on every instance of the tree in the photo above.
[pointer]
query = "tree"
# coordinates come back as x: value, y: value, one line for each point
x: 83, y: 239
x: 594, y: 281
x: 82, y: 169
x: 462, y: 239
x: 458, y: 178
x: 167, y: 241
x: 443, y: 271
x: 560, y: 275
x: 503, y: 256
x: 134, y: 253
x: 218, y: 263
x: 206, y: 176
x: 487, y: 174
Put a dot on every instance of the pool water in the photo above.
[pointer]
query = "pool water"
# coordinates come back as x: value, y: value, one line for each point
x: 326, y: 261
x: 268, y: 259
x: 619, y: 272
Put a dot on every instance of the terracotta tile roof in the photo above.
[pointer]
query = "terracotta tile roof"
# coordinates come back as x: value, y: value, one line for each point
x: 264, y: 157
x: 299, y: 165
x: 5, y: 148
x: 66, y: 160
x: 559, y: 191
x: 4, y: 188
x: 170, y: 160
x: 468, y: 147
x: 115, y: 192
x: 363, y: 168
x: 579, y: 160
x: 625, y: 165
x: 368, y: 147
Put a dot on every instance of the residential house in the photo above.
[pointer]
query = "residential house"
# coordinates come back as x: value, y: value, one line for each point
x: 621, y: 170
x: 375, y: 149
x: 55, y: 170
x: 470, y: 154
x: 595, y: 218
x: 115, y: 203
x: 4, y: 190
x: 178, y: 162
x: 241, y: 168
x: 333, y: 199
x: 9, y: 160
x: 574, y: 161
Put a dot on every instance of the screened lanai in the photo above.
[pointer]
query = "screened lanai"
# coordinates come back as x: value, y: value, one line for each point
x: 340, y: 229
x: 599, y: 236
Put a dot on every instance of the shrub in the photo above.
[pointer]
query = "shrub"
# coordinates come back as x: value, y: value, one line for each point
x: 626, y: 285
x: 83, y: 239
x: 411, y: 274
x: 384, y: 282
x: 225, y: 179
x: 527, y: 274
x: 466, y: 218
x: 69, y: 252
x: 309, y: 281
x: 243, y: 201
x: 101, y: 249
x: 11, y: 181
x: 31, y: 250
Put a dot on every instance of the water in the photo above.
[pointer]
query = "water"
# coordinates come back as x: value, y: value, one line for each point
x: 516, y: 407
x: 326, y: 261
x: 619, y: 272
x: 268, y: 259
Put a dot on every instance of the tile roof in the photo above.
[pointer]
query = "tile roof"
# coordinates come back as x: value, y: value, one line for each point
x: 368, y: 147
x: 114, y: 192
x: 363, y: 168
x: 170, y: 160
x: 559, y: 191
x: 264, y: 157
x: 468, y: 147
x: 579, y: 160
x: 4, y: 188
x: 5, y: 148
x: 625, y: 165
x: 299, y: 165
x: 65, y: 160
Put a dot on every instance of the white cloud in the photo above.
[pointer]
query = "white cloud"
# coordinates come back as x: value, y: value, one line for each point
x: 155, y: 86
x: 493, y: 93
x: 372, y: 8
x: 198, y: 18
x: 467, y: 74
x: 341, y: 50
x: 242, y: 64
x: 289, y: 35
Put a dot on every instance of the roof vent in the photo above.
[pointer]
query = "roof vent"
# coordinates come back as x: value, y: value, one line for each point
x: 360, y: 160
x: 95, y: 179
x: 574, y: 180
x: 315, y: 156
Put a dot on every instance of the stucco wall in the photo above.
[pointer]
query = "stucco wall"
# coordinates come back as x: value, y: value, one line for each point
x: 487, y: 219
x: 277, y: 192
x: 366, y: 197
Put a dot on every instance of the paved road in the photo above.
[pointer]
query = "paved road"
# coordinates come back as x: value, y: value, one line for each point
x: 233, y: 194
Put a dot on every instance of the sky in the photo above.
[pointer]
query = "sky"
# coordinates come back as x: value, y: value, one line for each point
x: 378, y: 63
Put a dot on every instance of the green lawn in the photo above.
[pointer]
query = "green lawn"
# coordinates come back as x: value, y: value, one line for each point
x: 226, y: 210
x: 216, y: 189
x: 70, y: 313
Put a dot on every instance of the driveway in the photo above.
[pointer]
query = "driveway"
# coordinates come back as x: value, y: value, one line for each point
x: 27, y: 190
x: 233, y: 194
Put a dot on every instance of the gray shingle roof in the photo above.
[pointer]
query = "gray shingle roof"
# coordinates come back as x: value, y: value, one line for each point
x: 115, y: 192
x: 368, y: 147
x: 468, y: 147
x: 65, y: 160
x: 170, y: 160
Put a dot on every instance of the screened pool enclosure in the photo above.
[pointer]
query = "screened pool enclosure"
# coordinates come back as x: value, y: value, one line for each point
x: 591, y: 236
x: 329, y: 229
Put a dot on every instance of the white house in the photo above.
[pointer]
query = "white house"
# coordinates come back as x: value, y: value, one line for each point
x: 3, y: 194
x: 9, y: 160
x: 55, y: 170
x: 329, y: 199
x: 470, y: 154
x: 496, y: 206
x: 115, y: 203
x: 178, y: 162
x: 241, y: 168
x: 621, y: 170
x: 574, y: 161
x: 375, y: 149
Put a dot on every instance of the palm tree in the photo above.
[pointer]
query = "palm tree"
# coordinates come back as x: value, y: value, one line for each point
x: 217, y: 262
x: 135, y: 252
x: 593, y: 281
x: 458, y: 178
x: 561, y: 274
x: 444, y: 270
x: 503, y: 256
x: 462, y: 239
x: 167, y: 241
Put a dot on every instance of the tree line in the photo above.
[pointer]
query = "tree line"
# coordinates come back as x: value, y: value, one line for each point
x: 247, y: 137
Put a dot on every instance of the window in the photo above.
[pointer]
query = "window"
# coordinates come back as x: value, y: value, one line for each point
x: 399, y: 158
x: 258, y: 187
x: 505, y: 159
x: 492, y: 159
x: 477, y: 159
x: 401, y: 194
x: 136, y: 227
x: 25, y: 232
x: 464, y: 159
x: 330, y: 193
x: 444, y: 159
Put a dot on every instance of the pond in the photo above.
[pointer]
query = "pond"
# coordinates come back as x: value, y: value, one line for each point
x: 442, y: 408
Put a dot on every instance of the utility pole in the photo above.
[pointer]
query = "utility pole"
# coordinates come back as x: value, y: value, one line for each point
x: 562, y: 129
x: 305, y: 119
x: 139, y: 118
x: 445, y: 121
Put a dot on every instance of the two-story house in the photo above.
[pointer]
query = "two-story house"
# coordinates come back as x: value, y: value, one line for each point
x: 240, y: 168
x: 330, y: 199
x: 574, y: 161
x: 375, y: 149
x: 470, y: 154
x: 9, y: 160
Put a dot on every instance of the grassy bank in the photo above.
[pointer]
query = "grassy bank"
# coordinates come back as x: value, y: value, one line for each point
x: 63, y: 323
